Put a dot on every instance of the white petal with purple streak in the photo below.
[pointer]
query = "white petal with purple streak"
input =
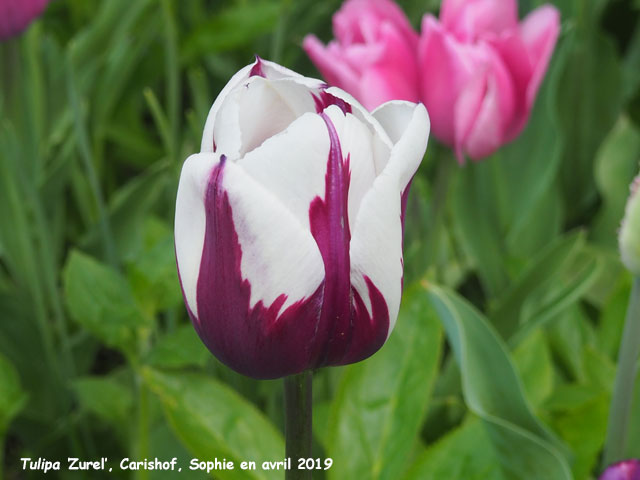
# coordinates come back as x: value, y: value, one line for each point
x: 376, y: 242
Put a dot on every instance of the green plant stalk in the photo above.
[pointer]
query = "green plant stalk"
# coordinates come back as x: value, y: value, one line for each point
x: 441, y: 189
x: 142, y: 446
x: 298, y: 414
x: 620, y: 411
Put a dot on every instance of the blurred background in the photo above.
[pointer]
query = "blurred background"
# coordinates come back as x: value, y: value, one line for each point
x: 100, y: 103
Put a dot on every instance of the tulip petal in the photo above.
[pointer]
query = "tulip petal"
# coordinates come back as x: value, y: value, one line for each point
x: 258, y: 110
x: 378, y: 226
x: 540, y: 30
x: 515, y: 56
x: 208, y: 143
x: 447, y: 66
x: 393, y: 76
x: 275, y: 261
x: 292, y: 164
x: 485, y: 129
x: 331, y: 63
x: 486, y: 134
x: 356, y: 143
x: 348, y: 21
x: 190, y: 221
x: 258, y: 288
x: 381, y: 144
x: 469, y: 20
x: 15, y: 16
x: 270, y: 71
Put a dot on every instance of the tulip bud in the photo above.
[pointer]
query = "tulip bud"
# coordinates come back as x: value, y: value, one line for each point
x: 288, y: 229
x: 626, y: 470
x: 481, y: 70
x: 629, y: 237
x: 15, y: 15
x: 373, y: 56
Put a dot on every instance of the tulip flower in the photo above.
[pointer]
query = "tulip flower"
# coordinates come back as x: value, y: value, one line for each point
x: 16, y: 15
x: 374, y: 54
x: 288, y: 227
x: 626, y: 470
x: 481, y: 70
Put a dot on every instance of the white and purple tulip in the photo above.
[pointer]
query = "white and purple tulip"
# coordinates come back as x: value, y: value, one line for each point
x: 288, y: 228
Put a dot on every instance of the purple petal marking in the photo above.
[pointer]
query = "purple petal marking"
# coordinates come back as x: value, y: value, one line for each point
x: 257, y: 342
x: 329, y: 223
x: 345, y: 331
x: 324, y: 99
x: 257, y: 69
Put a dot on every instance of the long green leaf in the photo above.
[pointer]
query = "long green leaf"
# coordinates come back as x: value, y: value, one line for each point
x: 494, y: 392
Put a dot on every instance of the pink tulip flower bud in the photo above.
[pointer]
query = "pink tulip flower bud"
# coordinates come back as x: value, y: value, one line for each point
x: 374, y: 54
x: 16, y: 15
x: 626, y: 470
x: 481, y: 71
x: 288, y: 227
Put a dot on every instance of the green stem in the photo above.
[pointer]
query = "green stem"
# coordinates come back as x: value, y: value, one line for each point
x: 142, y: 446
x: 297, y: 409
x: 619, y: 414
x: 437, y: 209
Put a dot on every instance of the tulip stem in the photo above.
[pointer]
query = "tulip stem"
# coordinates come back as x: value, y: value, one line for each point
x: 620, y: 409
x: 297, y: 410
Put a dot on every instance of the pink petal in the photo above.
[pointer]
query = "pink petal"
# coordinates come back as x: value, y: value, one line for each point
x: 539, y: 32
x: 15, y: 15
x: 331, y: 62
x: 496, y: 112
x: 515, y: 56
x: 446, y: 67
x: 472, y: 19
x: 394, y: 76
x: 356, y: 20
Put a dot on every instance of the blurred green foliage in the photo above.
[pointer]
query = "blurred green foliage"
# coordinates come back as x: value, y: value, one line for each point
x: 516, y: 256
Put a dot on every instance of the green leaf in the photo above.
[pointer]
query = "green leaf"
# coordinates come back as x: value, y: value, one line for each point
x: 12, y: 398
x: 152, y: 273
x: 213, y: 421
x: 100, y: 300
x: 177, y: 349
x: 533, y: 360
x: 463, y: 454
x: 105, y: 397
x: 555, y: 279
x: 493, y: 391
x: 588, y: 97
x: 381, y: 402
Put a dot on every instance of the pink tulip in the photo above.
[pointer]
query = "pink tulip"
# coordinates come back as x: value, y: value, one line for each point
x: 373, y: 56
x: 15, y: 15
x: 626, y: 470
x: 481, y: 71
